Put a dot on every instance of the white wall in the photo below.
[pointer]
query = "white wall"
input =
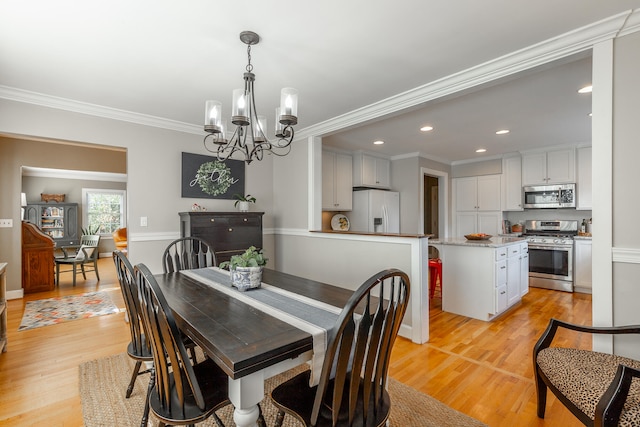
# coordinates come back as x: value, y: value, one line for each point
x: 626, y: 203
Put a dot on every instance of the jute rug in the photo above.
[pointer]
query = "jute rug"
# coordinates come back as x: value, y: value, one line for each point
x: 103, y: 384
x: 51, y: 311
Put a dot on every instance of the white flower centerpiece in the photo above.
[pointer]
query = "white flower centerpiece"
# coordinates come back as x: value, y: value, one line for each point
x: 246, y: 269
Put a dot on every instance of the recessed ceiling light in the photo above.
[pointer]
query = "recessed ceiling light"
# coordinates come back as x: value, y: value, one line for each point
x: 481, y: 150
x: 590, y: 114
x: 426, y: 128
x: 586, y: 89
x: 502, y: 132
x: 378, y: 142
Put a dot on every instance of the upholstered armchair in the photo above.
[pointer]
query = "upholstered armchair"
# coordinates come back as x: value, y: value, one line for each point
x: 600, y: 389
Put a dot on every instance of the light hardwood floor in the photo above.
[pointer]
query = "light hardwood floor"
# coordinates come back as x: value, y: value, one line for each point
x: 481, y: 369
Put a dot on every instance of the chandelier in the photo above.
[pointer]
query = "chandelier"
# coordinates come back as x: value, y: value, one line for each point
x: 249, y: 137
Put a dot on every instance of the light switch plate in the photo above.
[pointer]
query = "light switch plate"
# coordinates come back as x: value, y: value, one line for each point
x: 6, y: 223
x: 143, y: 221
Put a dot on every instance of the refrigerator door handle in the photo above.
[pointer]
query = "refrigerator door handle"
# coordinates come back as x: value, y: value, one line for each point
x: 385, y: 219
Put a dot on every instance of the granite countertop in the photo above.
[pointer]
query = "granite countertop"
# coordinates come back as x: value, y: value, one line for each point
x: 584, y: 236
x: 494, y: 242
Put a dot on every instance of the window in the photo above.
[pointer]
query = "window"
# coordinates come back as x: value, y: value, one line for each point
x: 103, y: 210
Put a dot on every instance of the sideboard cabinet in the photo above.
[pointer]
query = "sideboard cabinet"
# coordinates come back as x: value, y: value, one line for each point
x: 228, y: 233
x: 58, y: 220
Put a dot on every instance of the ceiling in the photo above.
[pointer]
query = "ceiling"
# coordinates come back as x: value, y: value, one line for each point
x: 163, y: 59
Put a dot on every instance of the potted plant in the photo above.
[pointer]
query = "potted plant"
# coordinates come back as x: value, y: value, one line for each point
x: 242, y: 202
x: 246, y: 269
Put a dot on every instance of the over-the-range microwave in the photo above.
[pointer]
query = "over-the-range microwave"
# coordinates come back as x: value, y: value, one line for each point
x: 549, y: 196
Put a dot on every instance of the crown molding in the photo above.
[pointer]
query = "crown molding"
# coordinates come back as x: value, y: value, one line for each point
x: 28, y: 97
x: 553, y: 49
x: 73, y: 174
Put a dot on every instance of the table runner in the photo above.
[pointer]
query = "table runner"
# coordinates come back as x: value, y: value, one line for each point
x: 307, y: 314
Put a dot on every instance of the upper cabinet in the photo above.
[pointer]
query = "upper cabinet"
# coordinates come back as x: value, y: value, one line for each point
x: 512, y: 184
x: 336, y: 181
x: 371, y: 171
x: 583, y: 183
x: 549, y: 167
x: 477, y: 193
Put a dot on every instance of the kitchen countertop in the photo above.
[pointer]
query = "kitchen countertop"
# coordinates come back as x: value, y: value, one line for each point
x: 586, y: 236
x: 494, y: 242
x: 359, y: 233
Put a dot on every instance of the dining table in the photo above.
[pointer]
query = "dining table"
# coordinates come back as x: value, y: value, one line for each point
x: 252, y: 342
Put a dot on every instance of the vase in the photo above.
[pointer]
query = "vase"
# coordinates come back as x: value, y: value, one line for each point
x: 245, y: 278
x: 243, y: 206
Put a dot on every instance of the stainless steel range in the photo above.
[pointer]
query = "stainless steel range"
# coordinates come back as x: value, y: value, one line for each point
x: 551, y: 253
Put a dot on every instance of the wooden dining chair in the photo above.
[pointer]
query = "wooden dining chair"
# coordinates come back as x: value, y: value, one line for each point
x: 188, y: 253
x: 139, y: 348
x: 600, y: 389
x: 352, y: 389
x: 85, y: 257
x: 184, y: 393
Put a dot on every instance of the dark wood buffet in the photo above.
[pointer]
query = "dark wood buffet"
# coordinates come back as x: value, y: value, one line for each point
x: 229, y: 233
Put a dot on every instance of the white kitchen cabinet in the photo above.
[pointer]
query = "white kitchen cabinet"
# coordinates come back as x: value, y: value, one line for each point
x: 513, y: 274
x: 512, y: 184
x: 371, y: 171
x: 583, y: 178
x: 524, y: 269
x: 582, y: 266
x: 549, y: 167
x: 477, y: 208
x: 336, y: 181
x: 476, y: 280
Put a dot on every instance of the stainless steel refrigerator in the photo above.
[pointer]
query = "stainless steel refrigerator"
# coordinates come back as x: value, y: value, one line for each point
x: 375, y: 211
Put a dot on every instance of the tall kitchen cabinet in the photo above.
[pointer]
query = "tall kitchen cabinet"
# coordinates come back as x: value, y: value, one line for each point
x: 512, y: 184
x: 371, y: 171
x: 583, y: 179
x: 549, y: 167
x: 228, y: 233
x: 337, y: 176
x: 58, y: 220
x: 477, y: 205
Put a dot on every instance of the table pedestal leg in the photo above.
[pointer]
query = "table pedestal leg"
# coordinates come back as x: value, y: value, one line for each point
x: 245, y: 393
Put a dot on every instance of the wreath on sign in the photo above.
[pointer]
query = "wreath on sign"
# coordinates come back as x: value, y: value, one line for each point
x: 214, y: 178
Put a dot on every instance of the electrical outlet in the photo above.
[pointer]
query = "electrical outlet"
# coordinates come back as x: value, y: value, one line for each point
x: 6, y: 223
x: 143, y: 221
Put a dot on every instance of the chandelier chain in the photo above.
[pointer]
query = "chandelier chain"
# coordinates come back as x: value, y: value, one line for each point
x: 249, y: 66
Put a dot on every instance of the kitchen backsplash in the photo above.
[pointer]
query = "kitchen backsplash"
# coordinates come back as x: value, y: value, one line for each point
x: 546, y: 214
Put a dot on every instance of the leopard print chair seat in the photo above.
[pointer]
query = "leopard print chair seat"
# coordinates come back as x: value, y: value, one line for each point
x: 600, y: 389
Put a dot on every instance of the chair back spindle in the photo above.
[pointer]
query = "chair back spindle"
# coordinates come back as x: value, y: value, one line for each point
x: 188, y: 253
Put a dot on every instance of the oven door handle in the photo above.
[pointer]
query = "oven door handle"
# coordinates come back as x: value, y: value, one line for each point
x: 551, y: 248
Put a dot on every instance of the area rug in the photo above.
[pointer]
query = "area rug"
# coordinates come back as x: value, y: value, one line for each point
x: 52, y: 311
x: 103, y: 384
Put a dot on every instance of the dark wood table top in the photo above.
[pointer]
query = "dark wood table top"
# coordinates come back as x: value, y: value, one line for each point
x: 239, y: 338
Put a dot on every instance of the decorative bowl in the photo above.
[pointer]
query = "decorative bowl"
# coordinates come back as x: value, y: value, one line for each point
x: 478, y: 236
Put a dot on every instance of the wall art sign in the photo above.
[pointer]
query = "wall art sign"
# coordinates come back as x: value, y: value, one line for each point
x: 206, y: 177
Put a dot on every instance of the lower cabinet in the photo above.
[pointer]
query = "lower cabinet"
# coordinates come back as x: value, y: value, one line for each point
x: 524, y: 269
x: 489, y: 222
x: 582, y: 269
x: 229, y: 233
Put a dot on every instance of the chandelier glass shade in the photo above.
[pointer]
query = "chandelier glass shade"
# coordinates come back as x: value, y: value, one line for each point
x: 249, y: 138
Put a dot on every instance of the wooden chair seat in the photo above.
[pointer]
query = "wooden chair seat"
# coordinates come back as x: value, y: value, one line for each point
x: 295, y: 395
x: 600, y: 389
